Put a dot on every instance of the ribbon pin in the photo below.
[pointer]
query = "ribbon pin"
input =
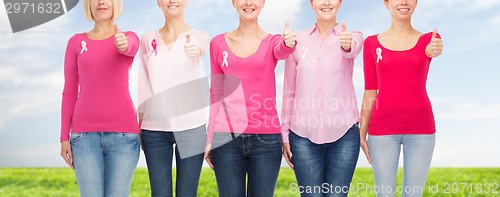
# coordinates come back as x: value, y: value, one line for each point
x: 224, y: 62
x: 84, y: 47
x: 379, y: 54
x: 304, y: 51
x: 154, y: 43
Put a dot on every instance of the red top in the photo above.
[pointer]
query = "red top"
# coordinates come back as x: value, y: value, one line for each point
x: 402, y: 105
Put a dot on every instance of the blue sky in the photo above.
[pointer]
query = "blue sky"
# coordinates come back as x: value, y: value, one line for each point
x: 461, y: 82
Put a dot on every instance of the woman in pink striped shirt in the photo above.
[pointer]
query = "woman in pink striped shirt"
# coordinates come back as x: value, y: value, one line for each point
x: 243, y: 131
x: 99, y: 130
x: 319, y: 128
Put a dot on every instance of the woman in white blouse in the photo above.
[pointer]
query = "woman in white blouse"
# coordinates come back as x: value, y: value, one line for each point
x: 171, y: 102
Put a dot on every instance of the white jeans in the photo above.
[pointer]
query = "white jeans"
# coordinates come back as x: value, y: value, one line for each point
x: 417, y: 156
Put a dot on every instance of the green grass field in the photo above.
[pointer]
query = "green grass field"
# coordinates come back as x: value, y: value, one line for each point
x: 54, y: 182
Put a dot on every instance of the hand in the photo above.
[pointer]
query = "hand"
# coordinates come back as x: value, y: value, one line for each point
x: 121, y: 41
x: 364, y: 147
x: 345, y: 38
x: 206, y: 156
x: 289, y: 36
x: 191, y: 48
x: 66, y: 153
x: 287, y: 154
x: 435, y: 47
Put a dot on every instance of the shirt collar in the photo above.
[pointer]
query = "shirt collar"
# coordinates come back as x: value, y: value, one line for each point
x: 336, y: 30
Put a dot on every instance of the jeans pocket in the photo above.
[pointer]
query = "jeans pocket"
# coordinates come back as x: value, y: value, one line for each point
x: 269, y: 138
x: 75, y: 136
x: 130, y: 136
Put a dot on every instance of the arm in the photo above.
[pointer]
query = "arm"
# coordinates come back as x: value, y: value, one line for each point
x: 369, y: 97
x: 70, y: 94
x: 280, y: 50
x: 356, y: 45
x: 133, y: 44
x: 288, y: 105
x: 288, y: 96
x: 70, y: 91
x: 216, y: 92
x: 144, y: 88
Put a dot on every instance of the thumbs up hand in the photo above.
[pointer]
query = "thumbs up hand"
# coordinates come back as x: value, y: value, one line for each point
x: 345, y: 38
x: 191, y: 49
x: 289, y: 36
x: 121, y: 41
x: 435, y: 47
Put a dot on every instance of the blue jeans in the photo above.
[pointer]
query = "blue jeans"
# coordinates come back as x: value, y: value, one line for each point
x: 325, y: 169
x: 417, y: 156
x: 158, y: 149
x: 255, y: 155
x: 104, y: 162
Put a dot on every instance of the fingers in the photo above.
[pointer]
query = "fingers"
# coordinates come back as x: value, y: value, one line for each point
x: 192, y: 50
x: 289, y: 36
x: 188, y: 38
x: 364, y: 147
x: 66, y: 154
x: 345, y: 38
x: 206, y: 155
x: 287, y: 153
x: 436, y: 45
x: 121, y: 41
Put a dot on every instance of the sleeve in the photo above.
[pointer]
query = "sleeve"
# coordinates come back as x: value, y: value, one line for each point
x: 369, y: 68
x: 280, y: 50
x: 203, y: 42
x: 144, y: 87
x: 288, y: 96
x: 356, y: 45
x: 216, y: 89
x: 70, y: 91
x: 133, y: 44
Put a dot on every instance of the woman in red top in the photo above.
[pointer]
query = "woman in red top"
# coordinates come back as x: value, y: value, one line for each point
x: 396, y: 109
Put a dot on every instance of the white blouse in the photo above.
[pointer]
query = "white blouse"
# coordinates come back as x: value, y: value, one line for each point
x: 173, y: 89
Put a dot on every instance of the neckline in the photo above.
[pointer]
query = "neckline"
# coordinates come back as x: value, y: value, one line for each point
x: 87, y: 36
x: 162, y: 43
x: 251, y: 55
x: 406, y: 50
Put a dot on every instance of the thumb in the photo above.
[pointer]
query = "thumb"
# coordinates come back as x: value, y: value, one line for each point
x: 434, y: 33
x: 116, y: 29
x: 343, y: 26
x: 287, y: 25
x: 188, y: 38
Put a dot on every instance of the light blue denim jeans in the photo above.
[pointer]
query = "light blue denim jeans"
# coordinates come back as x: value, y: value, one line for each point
x: 417, y: 156
x: 104, y: 162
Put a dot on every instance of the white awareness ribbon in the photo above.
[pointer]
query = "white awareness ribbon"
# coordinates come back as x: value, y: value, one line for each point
x: 379, y: 54
x: 224, y: 62
x: 84, y: 47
